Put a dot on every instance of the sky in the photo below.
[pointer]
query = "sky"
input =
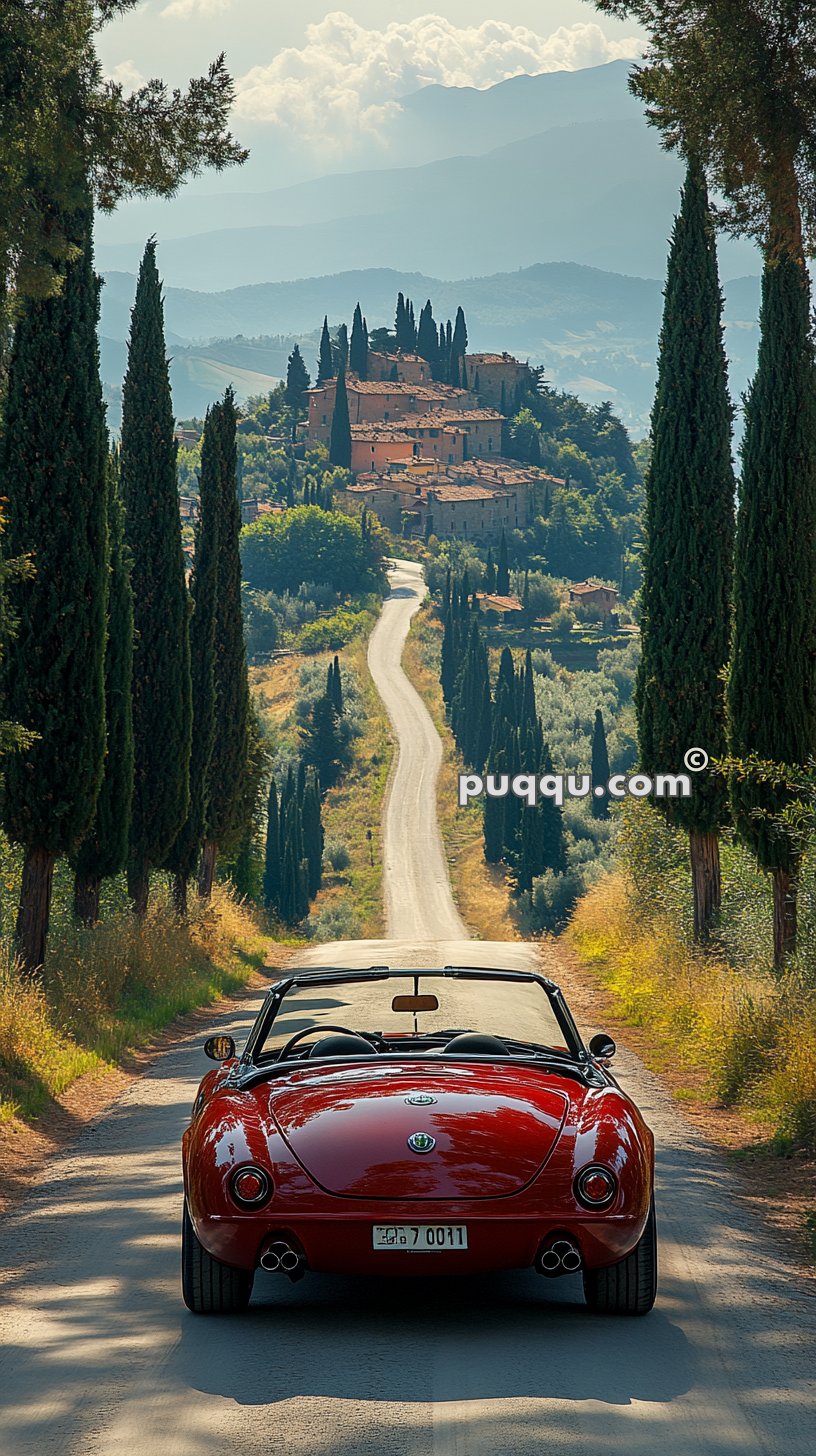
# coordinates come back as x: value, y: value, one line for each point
x: 329, y: 73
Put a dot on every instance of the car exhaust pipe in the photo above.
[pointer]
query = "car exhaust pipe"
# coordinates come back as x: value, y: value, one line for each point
x: 558, y: 1256
x: 281, y: 1258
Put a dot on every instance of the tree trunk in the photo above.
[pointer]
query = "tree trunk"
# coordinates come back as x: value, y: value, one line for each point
x: 704, y: 852
x: 34, y: 912
x: 206, y: 873
x: 180, y: 895
x: 87, y: 889
x: 139, y: 887
x: 784, y: 917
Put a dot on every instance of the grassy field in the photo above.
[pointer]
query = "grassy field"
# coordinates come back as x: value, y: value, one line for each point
x: 112, y: 989
x: 747, y: 1035
x: 350, y: 903
x: 480, y: 890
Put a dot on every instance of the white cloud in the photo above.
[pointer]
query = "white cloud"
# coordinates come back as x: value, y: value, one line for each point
x: 181, y: 9
x: 347, y: 78
x: 128, y: 75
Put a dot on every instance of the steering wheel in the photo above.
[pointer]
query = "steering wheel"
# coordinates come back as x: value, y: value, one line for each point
x: 310, y: 1031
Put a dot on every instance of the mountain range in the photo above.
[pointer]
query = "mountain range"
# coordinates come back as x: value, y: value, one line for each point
x: 594, y: 331
x: 536, y: 169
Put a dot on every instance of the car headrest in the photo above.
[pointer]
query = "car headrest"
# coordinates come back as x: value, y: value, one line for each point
x: 475, y: 1042
x: 342, y: 1044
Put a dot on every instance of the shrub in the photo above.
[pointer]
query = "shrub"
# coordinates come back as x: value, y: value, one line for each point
x: 334, y: 922
x: 335, y: 853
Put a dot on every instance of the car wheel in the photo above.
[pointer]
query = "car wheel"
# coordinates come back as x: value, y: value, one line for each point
x: 629, y: 1287
x: 207, y: 1286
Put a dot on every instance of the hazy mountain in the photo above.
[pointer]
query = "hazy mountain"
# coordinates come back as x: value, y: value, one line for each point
x: 433, y: 123
x: 602, y: 194
x: 594, y: 331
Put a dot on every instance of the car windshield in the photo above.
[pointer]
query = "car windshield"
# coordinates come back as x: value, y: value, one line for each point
x: 514, y: 1010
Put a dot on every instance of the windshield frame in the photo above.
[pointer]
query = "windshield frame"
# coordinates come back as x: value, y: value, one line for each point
x: 324, y: 976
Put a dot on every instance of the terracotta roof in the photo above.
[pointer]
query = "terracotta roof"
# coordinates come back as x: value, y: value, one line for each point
x: 493, y: 359
x: 456, y: 493
x: 502, y: 604
x: 391, y: 433
x: 592, y: 586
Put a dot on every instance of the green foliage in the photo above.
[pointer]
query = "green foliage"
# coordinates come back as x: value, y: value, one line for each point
x: 297, y: 382
x: 61, y: 121
x: 689, y: 525
x: 358, y: 346
x: 340, y: 441
x: 104, y: 850
x: 325, y: 364
x: 740, y: 93
x: 54, y: 474
x: 228, y: 764
x: 162, y: 689
x: 322, y: 742
x: 772, y: 681
x: 599, y: 767
x: 184, y: 854
x: 308, y: 544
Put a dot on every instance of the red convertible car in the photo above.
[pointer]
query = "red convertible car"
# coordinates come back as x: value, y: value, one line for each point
x: 401, y: 1122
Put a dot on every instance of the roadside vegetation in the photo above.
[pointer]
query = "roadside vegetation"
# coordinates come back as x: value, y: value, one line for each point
x: 348, y: 904
x: 110, y: 990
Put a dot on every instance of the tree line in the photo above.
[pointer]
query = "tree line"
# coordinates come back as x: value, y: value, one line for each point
x: 729, y: 594
x: 132, y: 688
x: 293, y: 871
x: 499, y: 732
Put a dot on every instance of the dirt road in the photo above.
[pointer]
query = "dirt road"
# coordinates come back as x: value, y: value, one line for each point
x: 99, y: 1358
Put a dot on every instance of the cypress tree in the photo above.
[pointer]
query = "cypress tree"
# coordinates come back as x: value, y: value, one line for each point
x: 459, y: 342
x: 162, y: 691
x: 204, y: 585
x: 325, y: 363
x: 342, y: 349
x: 411, y: 328
x: 449, y: 662
x: 502, y: 568
x: 228, y: 764
x: 401, y: 324
x: 600, y: 768
x: 427, y: 343
x: 490, y: 572
x: 312, y: 835
x: 335, y: 685
x: 53, y: 459
x: 493, y: 808
x: 297, y: 382
x: 340, y: 439
x: 772, y: 683
x: 322, y: 745
x: 104, y: 851
x: 689, y: 530
x: 358, y: 347
x: 553, y: 846
x: 272, y: 880
x: 291, y: 481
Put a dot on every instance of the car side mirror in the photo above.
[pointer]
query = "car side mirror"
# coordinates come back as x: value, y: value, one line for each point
x: 602, y: 1047
x: 219, y: 1048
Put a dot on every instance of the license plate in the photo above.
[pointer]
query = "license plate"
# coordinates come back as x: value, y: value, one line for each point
x: 420, y: 1238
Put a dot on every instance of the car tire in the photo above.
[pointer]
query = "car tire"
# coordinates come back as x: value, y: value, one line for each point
x: 629, y: 1287
x: 208, y: 1286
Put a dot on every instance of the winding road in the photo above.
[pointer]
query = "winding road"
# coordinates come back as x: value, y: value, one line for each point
x: 99, y: 1358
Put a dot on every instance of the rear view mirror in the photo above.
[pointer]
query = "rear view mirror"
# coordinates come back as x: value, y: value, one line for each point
x: 219, y: 1048
x: 602, y: 1047
x: 415, y: 1003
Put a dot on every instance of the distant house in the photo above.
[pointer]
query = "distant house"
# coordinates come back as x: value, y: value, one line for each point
x: 188, y: 507
x: 504, y: 606
x: 592, y: 594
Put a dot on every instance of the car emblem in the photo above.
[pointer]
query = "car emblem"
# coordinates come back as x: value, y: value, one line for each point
x: 421, y: 1142
x: 420, y: 1099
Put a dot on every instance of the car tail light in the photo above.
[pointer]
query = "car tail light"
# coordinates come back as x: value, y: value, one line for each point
x: 595, y: 1186
x: 251, y: 1187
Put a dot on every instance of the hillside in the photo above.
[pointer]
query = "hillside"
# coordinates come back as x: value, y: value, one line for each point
x: 595, y: 331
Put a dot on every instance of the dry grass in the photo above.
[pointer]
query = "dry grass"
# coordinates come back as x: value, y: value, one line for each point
x: 480, y: 890
x: 752, y: 1035
x: 111, y: 989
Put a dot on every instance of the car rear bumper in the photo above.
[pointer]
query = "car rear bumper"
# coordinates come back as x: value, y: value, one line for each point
x: 342, y: 1243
